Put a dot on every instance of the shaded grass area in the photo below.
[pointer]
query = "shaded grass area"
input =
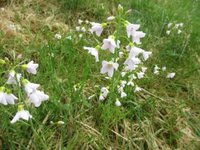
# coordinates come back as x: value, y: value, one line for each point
x: 165, y: 117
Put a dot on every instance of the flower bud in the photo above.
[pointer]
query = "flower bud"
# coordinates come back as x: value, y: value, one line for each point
x: 24, y: 67
x: 20, y: 107
x: 120, y: 8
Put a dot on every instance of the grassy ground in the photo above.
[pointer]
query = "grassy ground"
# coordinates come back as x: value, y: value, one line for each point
x: 165, y: 117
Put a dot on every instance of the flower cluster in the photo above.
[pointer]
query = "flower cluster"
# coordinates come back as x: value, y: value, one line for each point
x: 124, y: 64
x: 14, y: 83
x: 176, y: 27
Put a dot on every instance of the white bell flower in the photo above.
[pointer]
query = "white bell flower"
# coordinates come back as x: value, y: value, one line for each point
x: 38, y: 97
x: 10, y: 98
x: 3, y: 98
x: 110, y: 18
x: 135, y: 51
x: 137, y: 89
x: 171, y: 75
x: 132, y: 63
x: 97, y: 28
x: 123, y: 94
x: 131, y: 29
x: 156, y: 70
x: 12, y: 79
x: 109, y: 44
x: 31, y: 67
x: 146, y: 55
x: 168, y: 32
x: 58, y: 36
x: 21, y: 114
x: 118, y: 103
x: 140, y: 75
x: 30, y: 87
x: 103, y: 94
x: 93, y: 51
x: 144, y: 69
x: 109, y: 67
x: 137, y: 36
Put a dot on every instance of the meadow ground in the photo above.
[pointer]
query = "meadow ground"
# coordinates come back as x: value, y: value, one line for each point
x: 165, y: 116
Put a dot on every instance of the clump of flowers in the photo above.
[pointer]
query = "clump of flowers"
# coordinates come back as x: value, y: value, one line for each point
x: 174, y: 27
x: 123, y: 58
x: 17, y: 90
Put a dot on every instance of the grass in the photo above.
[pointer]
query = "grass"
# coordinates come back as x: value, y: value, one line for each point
x: 166, y: 116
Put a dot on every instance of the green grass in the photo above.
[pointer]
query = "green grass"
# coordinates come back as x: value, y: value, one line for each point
x: 168, y: 118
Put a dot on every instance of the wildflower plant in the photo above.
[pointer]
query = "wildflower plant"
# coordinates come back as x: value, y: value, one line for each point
x: 116, y: 46
x: 17, y: 90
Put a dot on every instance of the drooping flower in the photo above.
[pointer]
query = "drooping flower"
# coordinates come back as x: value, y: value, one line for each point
x: 37, y: 97
x: 140, y: 75
x: 168, y: 32
x: 146, y: 55
x: 171, y: 75
x: 12, y: 79
x: 164, y: 68
x: 31, y: 67
x: 123, y: 94
x: 137, y: 36
x: 97, y: 28
x: 156, y: 70
x: 21, y: 114
x: 110, y: 18
x: 132, y: 63
x: 179, y: 31
x: 3, y: 98
x: 144, y: 69
x: 109, y: 67
x: 30, y: 87
x: 169, y: 25
x: 93, y: 51
x: 10, y: 98
x: 58, y: 36
x: 80, y: 21
x: 103, y: 94
x: 137, y: 89
x: 118, y: 103
x: 109, y: 44
x: 131, y: 29
x: 135, y: 51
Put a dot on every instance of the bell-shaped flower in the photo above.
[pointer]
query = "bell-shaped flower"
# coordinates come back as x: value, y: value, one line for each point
x: 103, y: 94
x: 30, y: 87
x: 21, y: 114
x: 140, y: 75
x: 110, y: 18
x: 109, y: 67
x: 132, y: 63
x: 137, y: 36
x: 171, y: 75
x: 97, y: 28
x: 156, y: 70
x: 144, y: 69
x: 146, y: 55
x: 3, y: 98
x: 118, y: 103
x: 123, y: 94
x: 37, y: 97
x: 10, y: 98
x: 131, y: 29
x: 137, y: 89
x: 93, y: 51
x: 135, y: 51
x: 31, y: 67
x: 109, y: 44
x: 12, y: 79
